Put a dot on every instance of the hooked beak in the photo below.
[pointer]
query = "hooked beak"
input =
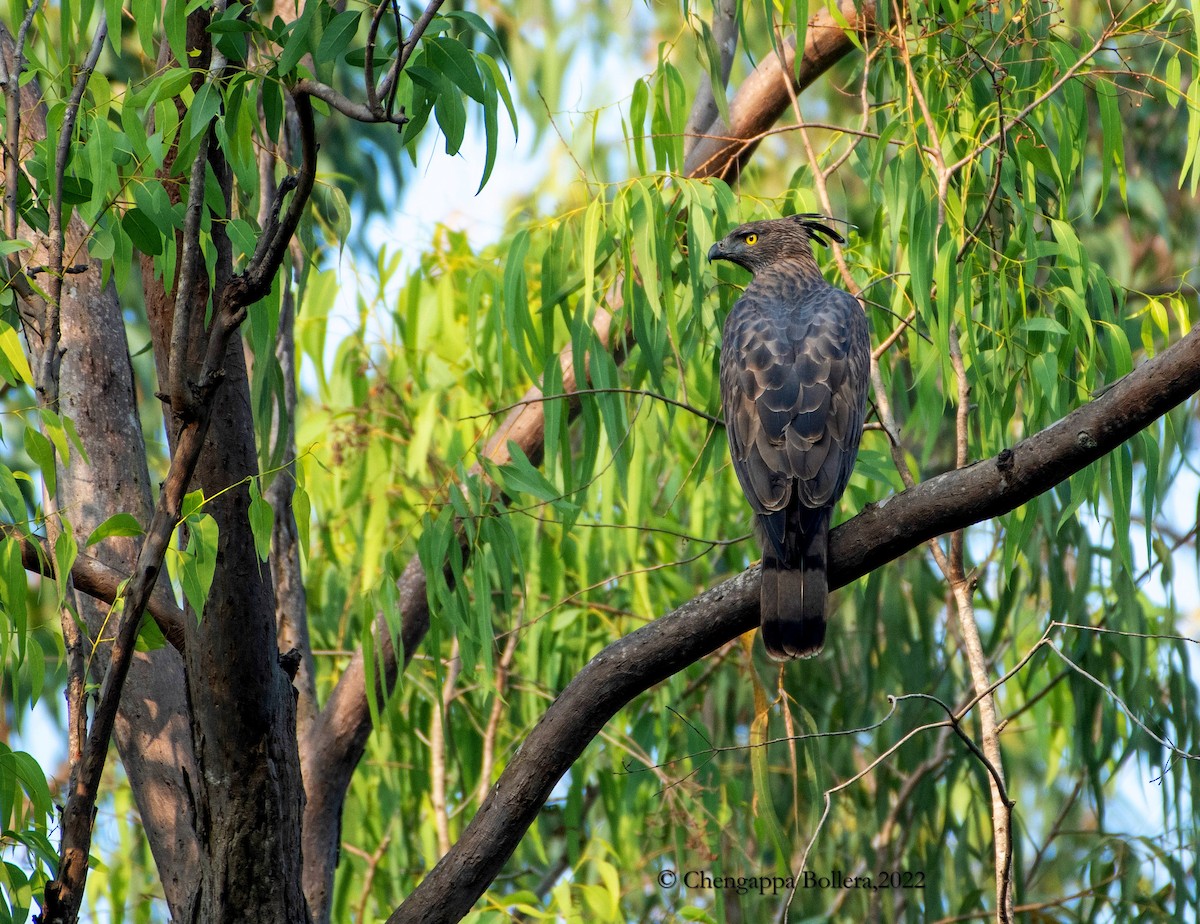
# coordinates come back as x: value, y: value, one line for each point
x: 714, y: 252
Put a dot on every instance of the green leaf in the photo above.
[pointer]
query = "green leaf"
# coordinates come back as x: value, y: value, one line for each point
x: 66, y: 550
x: 272, y: 104
x: 297, y: 43
x: 205, y: 107
x: 119, y: 524
x: 337, y: 36
x: 40, y: 450
x: 1173, y: 80
x: 501, y: 85
x: 175, y: 25
x: 302, y: 511
x: 76, y: 190
x: 490, y: 127
x: 451, y: 118
x: 17, y: 371
x: 142, y: 232
x: 198, y: 563
x: 1112, y: 139
x: 519, y: 475
x: 637, y: 123
x: 11, y: 498
x: 193, y: 501
x: 336, y: 200
x: 764, y: 803
x: 262, y: 521
x: 32, y: 779
x: 475, y: 22
x: 451, y: 59
x: 150, y: 637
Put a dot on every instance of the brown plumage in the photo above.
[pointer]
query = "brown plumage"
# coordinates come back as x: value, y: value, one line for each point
x: 795, y: 359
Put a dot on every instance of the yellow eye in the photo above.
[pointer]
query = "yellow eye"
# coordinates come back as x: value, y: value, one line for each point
x: 751, y: 239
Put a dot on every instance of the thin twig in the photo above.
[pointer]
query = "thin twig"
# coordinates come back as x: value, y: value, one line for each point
x: 569, y: 396
x: 1070, y: 72
x: 372, y: 860
x: 488, y: 750
x: 390, y: 84
x: 437, y: 751
x: 1175, y: 750
x: 179, y: 392
x: 51, y: 330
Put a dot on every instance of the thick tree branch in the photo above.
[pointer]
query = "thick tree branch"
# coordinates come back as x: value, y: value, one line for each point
x: 876, y: 536
x: 764, y: 96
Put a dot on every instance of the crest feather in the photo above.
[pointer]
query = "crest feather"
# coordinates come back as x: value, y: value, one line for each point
x: 812, y: 223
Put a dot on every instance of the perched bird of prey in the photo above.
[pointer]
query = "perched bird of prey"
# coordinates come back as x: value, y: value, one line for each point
x: 795, y: 359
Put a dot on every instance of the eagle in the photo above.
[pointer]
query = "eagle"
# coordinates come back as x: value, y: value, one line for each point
x: 795, y: 360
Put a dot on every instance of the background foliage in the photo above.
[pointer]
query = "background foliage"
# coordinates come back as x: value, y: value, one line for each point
x: 1020, y: 178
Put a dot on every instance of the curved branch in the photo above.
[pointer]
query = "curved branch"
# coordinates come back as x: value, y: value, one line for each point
x: 96, y: 579
x: 368, y: 112
x: 255, y: 282
x: 879, y: 534
x: 765, y: 95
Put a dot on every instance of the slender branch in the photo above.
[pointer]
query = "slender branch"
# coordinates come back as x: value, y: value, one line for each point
x: 638, y: 392
x: 182, y: 398
x: 370, y: 113
x: 877, y: 535
x: 997, y: 170
x: 887, y: 342
x: 372, y: 860
x: 704, y: 109
x: 96, y: 579
x: 414, y: 35
x: 65, y: 893
x: 934, y: 150
x: 180, y: 394
x: 962, y: 589
x: 1055, y: 830
x: 66, y: 138
x: 437, y: 751
x: 487, y: 758
x: 387, y: 89
x: 369, y: 62
x: 1129, y: 713
x: 255, y: 282
x: 1037, y: 906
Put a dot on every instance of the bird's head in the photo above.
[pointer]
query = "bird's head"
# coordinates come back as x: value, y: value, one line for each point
x: 759, y: 244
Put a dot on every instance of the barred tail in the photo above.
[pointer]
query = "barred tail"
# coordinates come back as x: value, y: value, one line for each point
x: 792, y: 599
